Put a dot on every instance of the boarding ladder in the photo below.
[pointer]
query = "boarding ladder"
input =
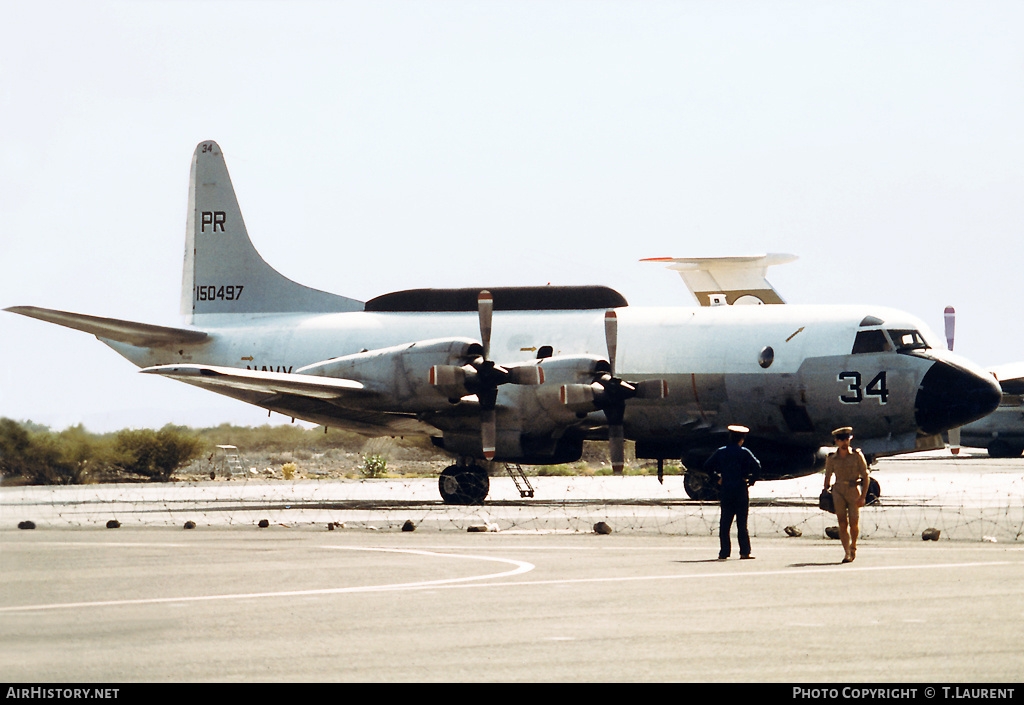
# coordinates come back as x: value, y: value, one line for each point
x: 515, y: 471
x: 230, y: 462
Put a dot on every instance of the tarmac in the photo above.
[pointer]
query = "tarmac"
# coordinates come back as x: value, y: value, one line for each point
x: 518, y: 590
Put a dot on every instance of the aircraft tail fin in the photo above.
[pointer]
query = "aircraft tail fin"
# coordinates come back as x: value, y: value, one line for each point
x: 223, y: 272
x: 717, y: 281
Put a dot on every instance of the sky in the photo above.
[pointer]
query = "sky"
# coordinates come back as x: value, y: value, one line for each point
x: 383, y: 145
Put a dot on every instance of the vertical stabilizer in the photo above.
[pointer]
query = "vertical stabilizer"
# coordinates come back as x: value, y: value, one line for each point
x: 223, y: 271
x: 717, y: 281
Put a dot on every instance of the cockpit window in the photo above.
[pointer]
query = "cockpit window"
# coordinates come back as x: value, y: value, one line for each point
x: 877, y: 340
x: 905, y: 340
x: 871, y: 341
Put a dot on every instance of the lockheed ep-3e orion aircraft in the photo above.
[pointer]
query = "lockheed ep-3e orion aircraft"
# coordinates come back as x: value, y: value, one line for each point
x: 524, y: 375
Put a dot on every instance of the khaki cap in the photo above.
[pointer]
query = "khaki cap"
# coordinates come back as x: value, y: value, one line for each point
x: 844, y: 431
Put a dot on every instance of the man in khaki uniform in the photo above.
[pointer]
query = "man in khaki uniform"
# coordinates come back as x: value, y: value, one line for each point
x: 849, y: 468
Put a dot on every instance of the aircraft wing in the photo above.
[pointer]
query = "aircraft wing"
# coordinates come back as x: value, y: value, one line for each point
x: 717, y: 281
x: 139, y: 334
x: 309, y: 397
x: 1010, y: 377
x: 256, y: 381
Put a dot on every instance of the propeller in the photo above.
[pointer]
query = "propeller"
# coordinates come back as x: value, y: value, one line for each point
x: 949, y: 315
x: 489, y: 377
x: 616, y: 393
x: 610, y: 394
x: 482, y: 376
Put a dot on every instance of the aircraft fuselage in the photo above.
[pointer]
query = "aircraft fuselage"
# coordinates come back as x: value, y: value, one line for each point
x: 787, y: 372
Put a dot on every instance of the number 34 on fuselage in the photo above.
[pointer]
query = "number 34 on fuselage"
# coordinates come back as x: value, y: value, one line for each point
x: 526, y: 374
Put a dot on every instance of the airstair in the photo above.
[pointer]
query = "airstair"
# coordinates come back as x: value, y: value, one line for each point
x: 229, y: 464
x: 515, y: 471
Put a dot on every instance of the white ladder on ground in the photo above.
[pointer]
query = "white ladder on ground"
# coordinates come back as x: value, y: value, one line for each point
x: 231, y: 460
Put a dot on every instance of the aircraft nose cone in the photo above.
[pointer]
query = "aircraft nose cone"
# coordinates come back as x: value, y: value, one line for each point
x: 952, y: 396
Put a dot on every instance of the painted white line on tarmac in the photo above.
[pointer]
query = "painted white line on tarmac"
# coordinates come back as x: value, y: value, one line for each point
x: 91, y: 544
x: 520, y: 567
x: 743, y: 574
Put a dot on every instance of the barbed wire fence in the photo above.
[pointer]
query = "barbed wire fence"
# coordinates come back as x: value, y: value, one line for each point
x: 970, y: 498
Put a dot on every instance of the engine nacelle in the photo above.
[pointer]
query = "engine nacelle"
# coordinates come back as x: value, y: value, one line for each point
x: 400, y: 376
x: 456, y: 382
x: 573, y: 369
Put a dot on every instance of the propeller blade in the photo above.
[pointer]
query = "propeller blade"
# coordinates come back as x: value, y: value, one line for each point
x: 616, y: 448
x: 485, y: 306
x: 954, y: 440
x: 652, y: 389
x: 451, y: 380
x: 615, y: 412
x: 580, y: 398
x: 488, y: 432
x: 526, y: 374
x: 950, y: 315
x: 611, y: 336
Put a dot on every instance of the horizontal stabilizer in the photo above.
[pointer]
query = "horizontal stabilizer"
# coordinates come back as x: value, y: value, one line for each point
x: 717, y: 281
x: 130, y: 332
x: 256, y: 381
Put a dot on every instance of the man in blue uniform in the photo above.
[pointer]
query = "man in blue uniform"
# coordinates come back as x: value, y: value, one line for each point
x: 736, y: 468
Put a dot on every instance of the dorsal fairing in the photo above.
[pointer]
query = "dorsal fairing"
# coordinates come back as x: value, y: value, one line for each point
x: 223, y: 272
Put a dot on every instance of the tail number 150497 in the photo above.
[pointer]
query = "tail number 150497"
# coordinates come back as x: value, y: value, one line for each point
x: 213, y: 292
x: 856, y: 392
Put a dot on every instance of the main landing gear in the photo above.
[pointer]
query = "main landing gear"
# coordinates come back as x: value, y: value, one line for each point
x: 464, y: 484
x: 700, y: 486
x: 1003, y: 449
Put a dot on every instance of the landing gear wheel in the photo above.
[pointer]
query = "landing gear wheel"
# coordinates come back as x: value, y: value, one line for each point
x: 874, y: 491
x: 464, y: 484
x: 1002, y: 449
x: 700, y: 486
